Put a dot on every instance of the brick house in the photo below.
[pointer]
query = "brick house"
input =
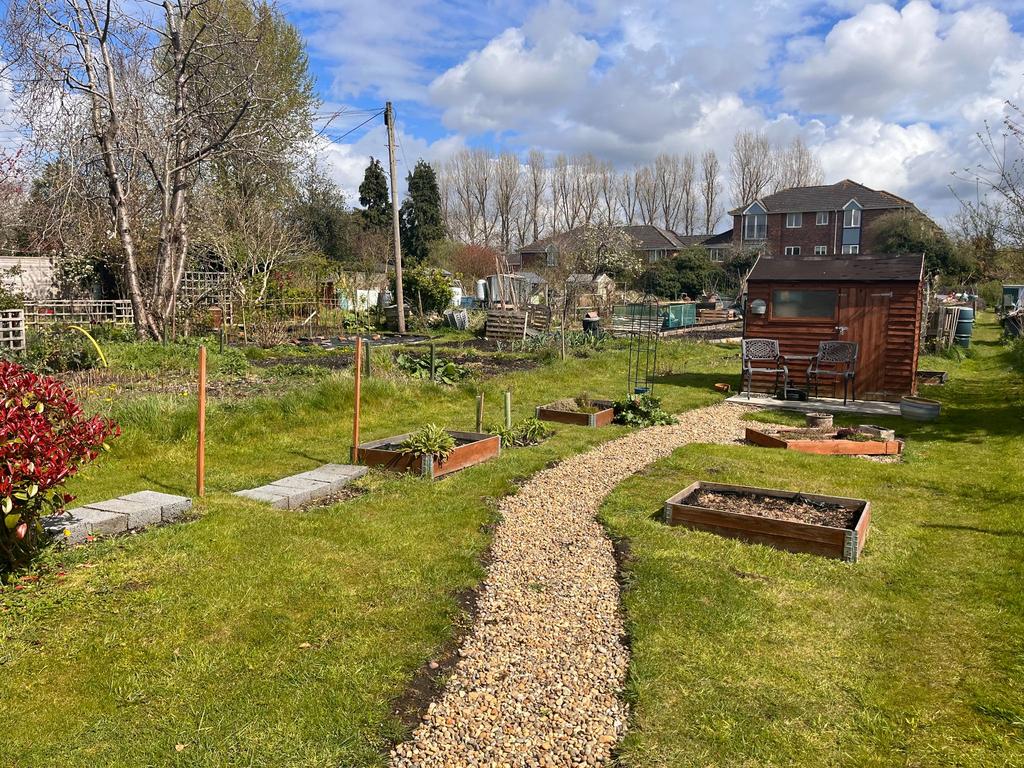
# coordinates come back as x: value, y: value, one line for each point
x: 814, y: 221
x: 656, y: 244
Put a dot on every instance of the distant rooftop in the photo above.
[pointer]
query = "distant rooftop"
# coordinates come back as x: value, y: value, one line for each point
x: 829, y: 197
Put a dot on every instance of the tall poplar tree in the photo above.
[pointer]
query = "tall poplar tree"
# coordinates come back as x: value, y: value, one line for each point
x: 422, y: 221
x: 375, y: 198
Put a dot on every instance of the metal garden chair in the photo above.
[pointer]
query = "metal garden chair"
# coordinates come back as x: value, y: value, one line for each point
x: 836, y: 360
x: 762, y: 356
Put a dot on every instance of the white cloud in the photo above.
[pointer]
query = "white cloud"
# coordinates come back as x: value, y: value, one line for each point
x: 510, y: 81
x: 904, y: 65
x: 890, y: 96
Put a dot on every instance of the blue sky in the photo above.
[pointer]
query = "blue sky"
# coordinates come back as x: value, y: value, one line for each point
x: 888, y: 94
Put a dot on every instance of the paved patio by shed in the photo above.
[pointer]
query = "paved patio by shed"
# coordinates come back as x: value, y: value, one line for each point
x: 816, y: 404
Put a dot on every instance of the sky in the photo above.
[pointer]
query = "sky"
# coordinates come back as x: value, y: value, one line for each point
x: 890, y: 95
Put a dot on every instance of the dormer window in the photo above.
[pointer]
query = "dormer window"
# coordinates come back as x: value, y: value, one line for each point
x: 794, y: 220
x: 851, y: 214
x: 755, y: 223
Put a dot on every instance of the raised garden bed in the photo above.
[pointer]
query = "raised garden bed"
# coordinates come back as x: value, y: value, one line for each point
x: 470, y: 448
x: 831, y: 526
x: 826, y: 441
x: 597, y: 413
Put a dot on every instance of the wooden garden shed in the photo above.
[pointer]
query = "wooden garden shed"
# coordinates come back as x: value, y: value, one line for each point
x: 872, y: 300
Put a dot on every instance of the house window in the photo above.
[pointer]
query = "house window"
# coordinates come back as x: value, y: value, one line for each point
x: 755, y: 226
x: 821, y: 250
x: 851, y: 217
x: 794, y: 220
x: 656, y: 255
x: 804, y: 304
x: 792, y: 250
x: 551, y: 257
x: 716, y: 254
x: 821, y: 217
x: 854, y: 249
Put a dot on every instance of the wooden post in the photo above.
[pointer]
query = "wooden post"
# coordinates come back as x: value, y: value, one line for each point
x: 201, y: 429
x: 480, y: 412
x: 357, y: 395
x: 389, y: 122
x: 366, y: 360
x: 432, y: 361
x: 508, y: 409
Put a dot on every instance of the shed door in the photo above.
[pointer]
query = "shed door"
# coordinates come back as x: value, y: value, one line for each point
x: 864, y: 318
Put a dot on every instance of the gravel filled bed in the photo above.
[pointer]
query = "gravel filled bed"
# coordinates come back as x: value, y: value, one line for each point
x: 796, y: 511
x: 539, y: 676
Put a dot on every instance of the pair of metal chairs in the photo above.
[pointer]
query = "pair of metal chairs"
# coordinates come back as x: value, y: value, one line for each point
x: 835, y: 361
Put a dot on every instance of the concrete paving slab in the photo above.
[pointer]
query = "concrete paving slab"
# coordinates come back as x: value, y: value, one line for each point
x: 139, y: 514
x: 171, y: 507
x: 295, y: 490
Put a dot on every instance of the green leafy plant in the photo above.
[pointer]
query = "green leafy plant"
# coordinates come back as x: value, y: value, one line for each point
x: 58, y: 349
x: 529, y: 431
x: 445, y: 371
x: 429, y: 440
x: 641, y: 411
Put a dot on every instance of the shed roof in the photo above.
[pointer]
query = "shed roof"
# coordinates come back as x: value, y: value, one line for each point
x: 904, y: 267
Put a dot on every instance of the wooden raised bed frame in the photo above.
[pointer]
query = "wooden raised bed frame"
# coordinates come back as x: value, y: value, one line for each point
x: 841, y: 543
x: 601, y: 418
x: 477, y: 448
x: 827, y: 446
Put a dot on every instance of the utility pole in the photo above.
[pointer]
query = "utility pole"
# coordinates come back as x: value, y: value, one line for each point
x: 389, y: 121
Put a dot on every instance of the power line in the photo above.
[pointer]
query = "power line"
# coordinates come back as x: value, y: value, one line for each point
x: 353, y: 130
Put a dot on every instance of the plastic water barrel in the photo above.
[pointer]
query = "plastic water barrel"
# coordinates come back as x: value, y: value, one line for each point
x: 964, y: 327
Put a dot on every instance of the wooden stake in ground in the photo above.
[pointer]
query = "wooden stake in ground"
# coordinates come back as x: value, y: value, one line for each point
x: 389, y: 121
x: 201, y: 427
x: 357, y: 397
x: 432, y: 378
x: 480, y: 412
x: 508, y: 409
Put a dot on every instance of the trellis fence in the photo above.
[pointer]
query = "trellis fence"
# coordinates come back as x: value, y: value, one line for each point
x: 79, y: 311
x: 12, y: 330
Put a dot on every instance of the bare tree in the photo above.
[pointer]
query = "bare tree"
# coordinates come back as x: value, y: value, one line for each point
x: 711, y: 190
x: 587, y: 187
x: 508, y: 197
x: 607, y: 183
x: 688, y: 190
x: 158, y: 97
x: 537, y: 186
x: 667, y: 178
x: 626, y: 190
x: 646, y: 189
x: 752, y: 167
x: 797, y: 167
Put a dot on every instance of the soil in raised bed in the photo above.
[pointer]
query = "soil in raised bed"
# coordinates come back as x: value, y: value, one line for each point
x: 569, y: 405
x: 796, y: 510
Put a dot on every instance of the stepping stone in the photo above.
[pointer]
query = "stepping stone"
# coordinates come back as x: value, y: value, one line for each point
x: 295, y: 490
x: 125, y: 513
x: 171, y: 507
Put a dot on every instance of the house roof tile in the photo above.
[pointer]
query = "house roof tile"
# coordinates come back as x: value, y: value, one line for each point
x: 829, y: 197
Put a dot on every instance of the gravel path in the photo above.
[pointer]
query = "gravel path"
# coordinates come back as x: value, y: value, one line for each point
x: 539, y: 677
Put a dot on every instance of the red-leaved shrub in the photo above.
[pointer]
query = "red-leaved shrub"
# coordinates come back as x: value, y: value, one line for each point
x: 45, y: 438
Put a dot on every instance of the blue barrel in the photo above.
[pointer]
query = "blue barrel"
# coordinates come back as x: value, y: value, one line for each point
x: 964, y: 327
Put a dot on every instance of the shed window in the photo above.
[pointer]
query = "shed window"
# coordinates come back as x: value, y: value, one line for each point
x: 551, y: 257
x: 809, y: 304
x: 821, y: 217
x: 794, y: 220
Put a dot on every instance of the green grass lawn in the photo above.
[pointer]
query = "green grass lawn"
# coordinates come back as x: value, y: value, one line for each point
x: 256, y: 637
x: 914, y: 656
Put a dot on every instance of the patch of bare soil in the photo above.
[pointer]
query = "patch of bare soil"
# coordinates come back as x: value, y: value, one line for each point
x: 795, y: 511
x: 345, y: 494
